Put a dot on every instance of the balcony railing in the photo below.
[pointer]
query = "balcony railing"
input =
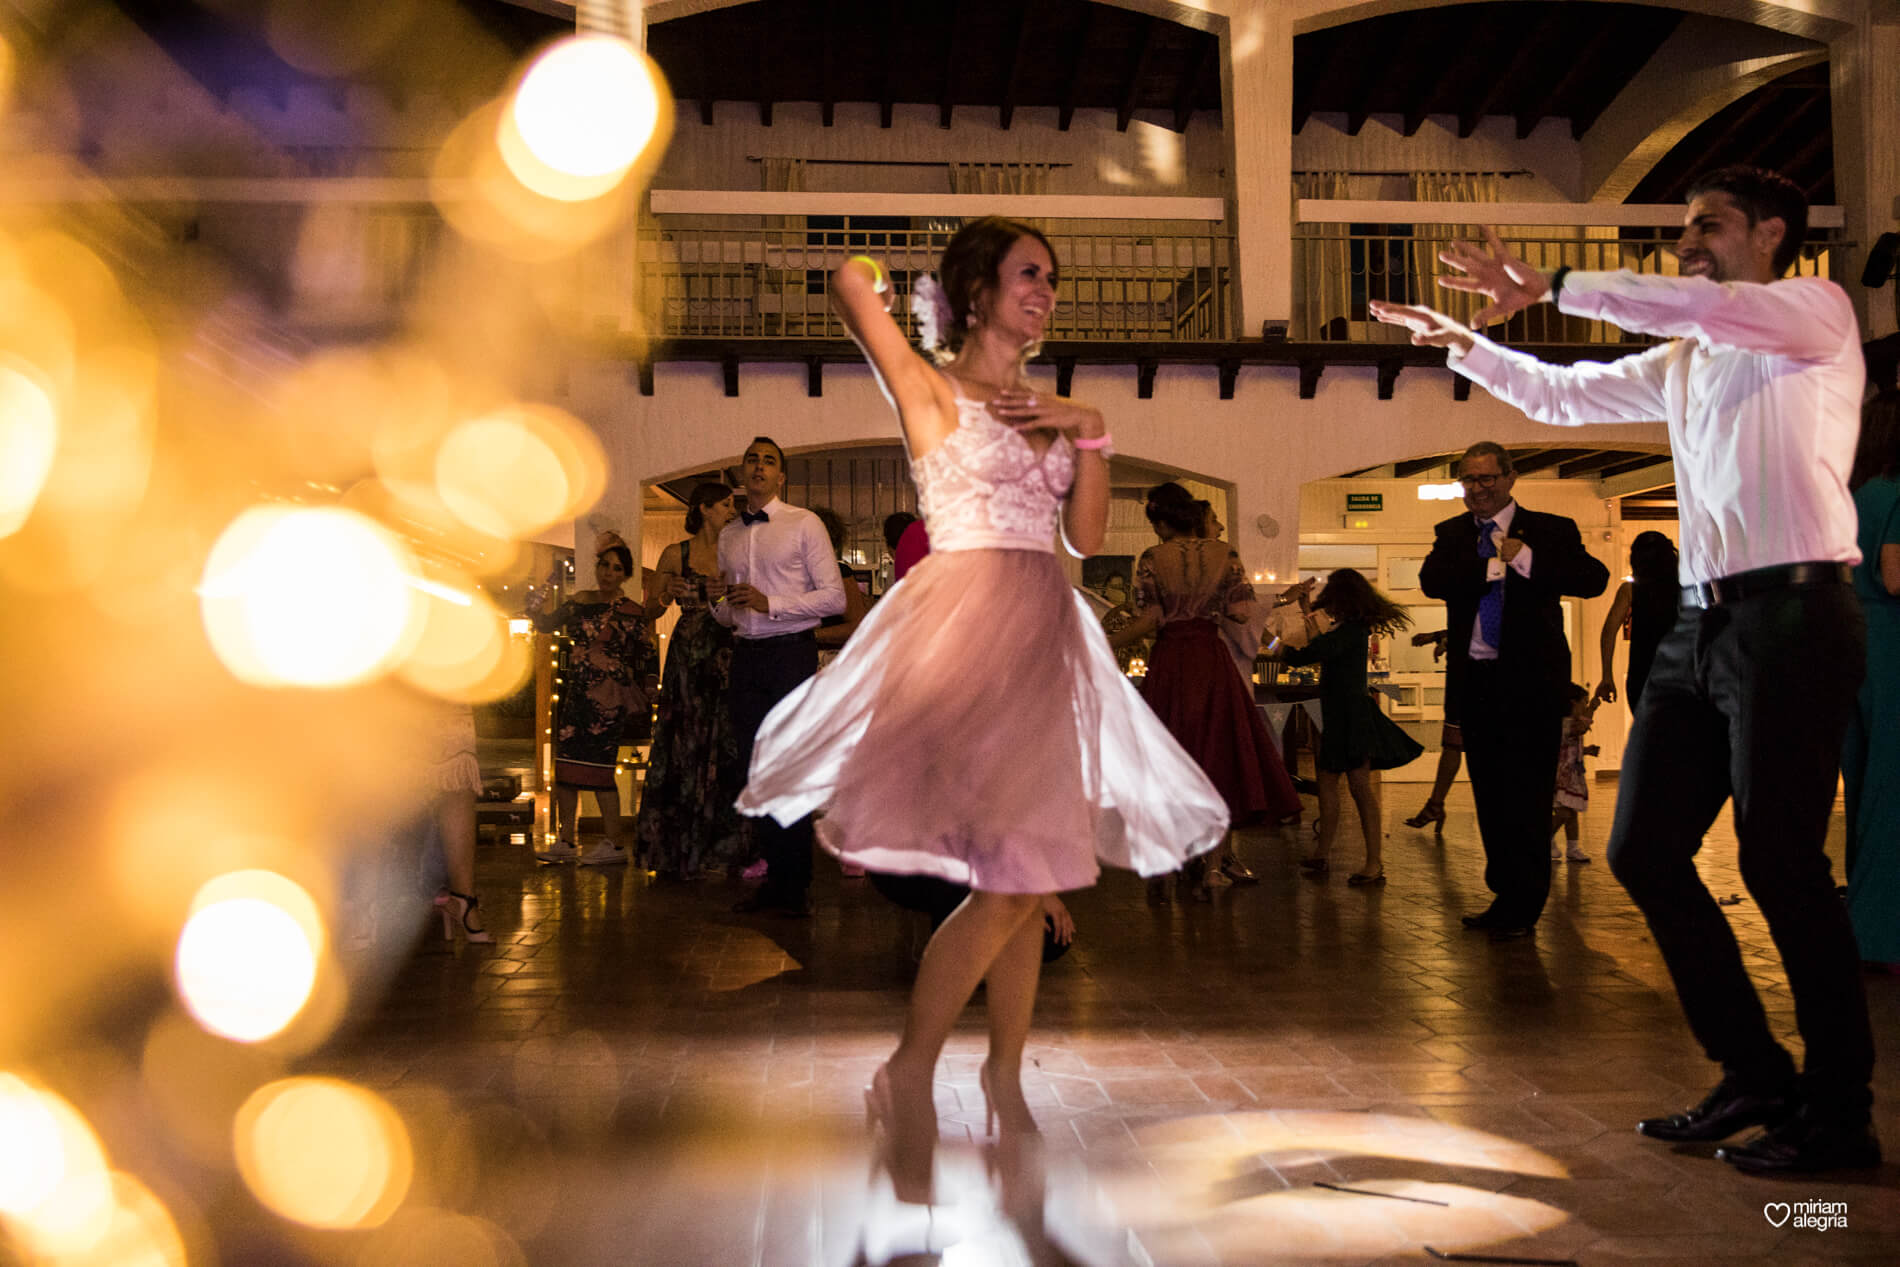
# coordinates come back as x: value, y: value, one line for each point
x: 1338, y: 268
x: 770, y: 283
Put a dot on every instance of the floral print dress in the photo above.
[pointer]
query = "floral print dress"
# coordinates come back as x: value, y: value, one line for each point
x: 603, y: 685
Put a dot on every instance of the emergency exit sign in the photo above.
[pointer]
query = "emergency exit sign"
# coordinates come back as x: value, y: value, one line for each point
x: 1365, y: 501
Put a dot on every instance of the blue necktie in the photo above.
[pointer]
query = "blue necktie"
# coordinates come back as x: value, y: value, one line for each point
x: 750, y: 517
x: 1491, y: 606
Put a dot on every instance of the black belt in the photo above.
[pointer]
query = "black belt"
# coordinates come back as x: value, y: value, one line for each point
x: 803, y: 635
x: 1744, y: 585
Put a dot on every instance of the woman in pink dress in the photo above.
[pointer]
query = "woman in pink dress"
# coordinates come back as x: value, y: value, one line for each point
x: 976, y: 728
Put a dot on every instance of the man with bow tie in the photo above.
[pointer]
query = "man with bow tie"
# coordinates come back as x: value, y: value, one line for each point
x: 779, y: 578
x: 1503, y: 570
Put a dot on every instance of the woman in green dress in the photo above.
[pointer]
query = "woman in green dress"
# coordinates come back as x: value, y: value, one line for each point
x: 687, y: 818
x: 1870, y: 759
x: 1356, y: 737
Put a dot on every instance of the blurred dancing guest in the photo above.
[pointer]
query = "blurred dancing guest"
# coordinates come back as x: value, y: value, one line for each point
x: 1355, y: 735
x: 1647, y: 604
x: 835, y: 631
x: 457, y: 776
x: 604, y: 685
x: 909, y: 541
x: 780, y: 581
x: 687, y: 821
x: 1761, y: 385
x: 977, y: 729
x: 1451, y: 744
x: 1871, y: 758
x: 1187, y: 588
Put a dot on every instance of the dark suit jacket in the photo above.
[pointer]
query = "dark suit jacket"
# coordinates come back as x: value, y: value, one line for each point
x: 1533, y: 654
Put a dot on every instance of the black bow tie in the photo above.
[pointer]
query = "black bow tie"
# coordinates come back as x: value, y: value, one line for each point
x: 750, y: 517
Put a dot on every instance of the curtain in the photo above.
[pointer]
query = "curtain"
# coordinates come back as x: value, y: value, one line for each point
x: 1430, y: 239
x: 1322, y: 268
x: 999, y: 178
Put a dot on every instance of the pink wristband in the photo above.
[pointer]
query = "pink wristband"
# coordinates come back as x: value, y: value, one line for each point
x: 1103, y: 441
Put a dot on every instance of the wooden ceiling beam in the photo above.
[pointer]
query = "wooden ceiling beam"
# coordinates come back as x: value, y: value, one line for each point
x: 1190, y: 89
x: 1641, y: 462
x: 1144, y: 58
x: 1418, y: 466
x: 893, y: 65
x: 1590, y: 464
x: 764, y: 58
x: 1790, y: 119
x: 1077, y: 65
x: 1529, y: 53
x: 827, y: 93
x: 1543, y: 459
x: 947, y: 103
x: 1583, y: 66
x: 1019, y: 60
x: 1335, y: 63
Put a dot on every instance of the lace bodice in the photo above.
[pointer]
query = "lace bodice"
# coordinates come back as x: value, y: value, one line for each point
x: 984, y: 487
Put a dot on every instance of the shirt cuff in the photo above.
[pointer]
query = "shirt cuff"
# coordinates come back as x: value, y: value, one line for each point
x: 1521, y: 562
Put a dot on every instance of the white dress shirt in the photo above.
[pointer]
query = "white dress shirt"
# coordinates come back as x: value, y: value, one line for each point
x: 787, y: 558
x: 1521, y: 564
x: 1761, y: 389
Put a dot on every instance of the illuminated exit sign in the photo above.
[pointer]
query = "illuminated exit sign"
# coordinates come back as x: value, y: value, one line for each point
x: 1365, y: 501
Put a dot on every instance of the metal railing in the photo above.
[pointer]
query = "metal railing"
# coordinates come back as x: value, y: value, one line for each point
x: 770, y: 283
x: 1339, y: 268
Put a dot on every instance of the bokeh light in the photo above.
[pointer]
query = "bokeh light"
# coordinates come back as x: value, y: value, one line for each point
x: 247, y: 958
x: 463, y: 651
x: 29, y: 436
x: 517, y: 471
x: 323, y: 1153
x: 580, y: 117
x: 316, y: 597
x: 55, y: 1190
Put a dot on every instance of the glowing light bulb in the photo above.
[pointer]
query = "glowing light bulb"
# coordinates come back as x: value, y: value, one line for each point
x: 580, y: 117
x: 247, y: 957
x: 54, y: 1186
x: 29, y: 436
x: 306, y: 597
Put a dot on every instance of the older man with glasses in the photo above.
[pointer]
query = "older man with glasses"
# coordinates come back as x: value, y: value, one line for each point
x: 1503, y: 570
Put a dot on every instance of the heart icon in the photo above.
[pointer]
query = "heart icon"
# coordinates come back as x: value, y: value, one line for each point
x: 1776, y: 1212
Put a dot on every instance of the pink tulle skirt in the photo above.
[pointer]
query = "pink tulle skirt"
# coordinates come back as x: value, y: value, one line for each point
x: 976, y: 728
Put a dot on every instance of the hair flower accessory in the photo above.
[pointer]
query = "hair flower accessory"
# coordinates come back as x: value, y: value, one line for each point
x: 931, y: 307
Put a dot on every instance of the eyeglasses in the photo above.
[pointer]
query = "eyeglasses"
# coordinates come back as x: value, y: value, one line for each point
x: 1479, y: 481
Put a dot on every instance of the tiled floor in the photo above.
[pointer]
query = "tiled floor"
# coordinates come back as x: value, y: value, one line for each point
x: 632, y: 1074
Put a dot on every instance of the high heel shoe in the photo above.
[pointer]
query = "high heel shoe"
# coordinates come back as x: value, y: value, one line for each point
x: 1360, y: 880
x: 1315, y: 864
x: 910, y: 1181
x: 1432, y: 813
x: 1237, y: 871
x: 455, y: 909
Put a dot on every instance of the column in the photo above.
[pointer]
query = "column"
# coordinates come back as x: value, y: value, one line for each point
x: 1257, y: 110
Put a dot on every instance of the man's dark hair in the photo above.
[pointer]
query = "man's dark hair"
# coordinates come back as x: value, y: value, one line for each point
x: 775, y: 448
x: 894, y: 525
x: 1493, y: 449
x: 1762, y: 195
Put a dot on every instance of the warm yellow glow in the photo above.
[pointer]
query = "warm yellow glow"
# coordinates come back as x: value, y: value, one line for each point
x: 29, y: 436
x: 306, y: 597
x: 580, y: 117
x: 324, y: 1153
x: 464, y: 651
x: 514, y: 472
x: 247, y: 958
x: 55, y: 1191
x: 137, y: 1231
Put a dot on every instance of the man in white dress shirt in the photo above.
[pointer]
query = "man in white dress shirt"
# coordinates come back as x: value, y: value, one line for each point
x: 1750, y: 695
x: 778, y: 579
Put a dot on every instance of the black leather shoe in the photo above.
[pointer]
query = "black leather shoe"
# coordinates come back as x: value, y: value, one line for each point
x: 1723, y: 1111
x: 1805, y: 1144
x: 1510, y: 932
x: 1483, y: 919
